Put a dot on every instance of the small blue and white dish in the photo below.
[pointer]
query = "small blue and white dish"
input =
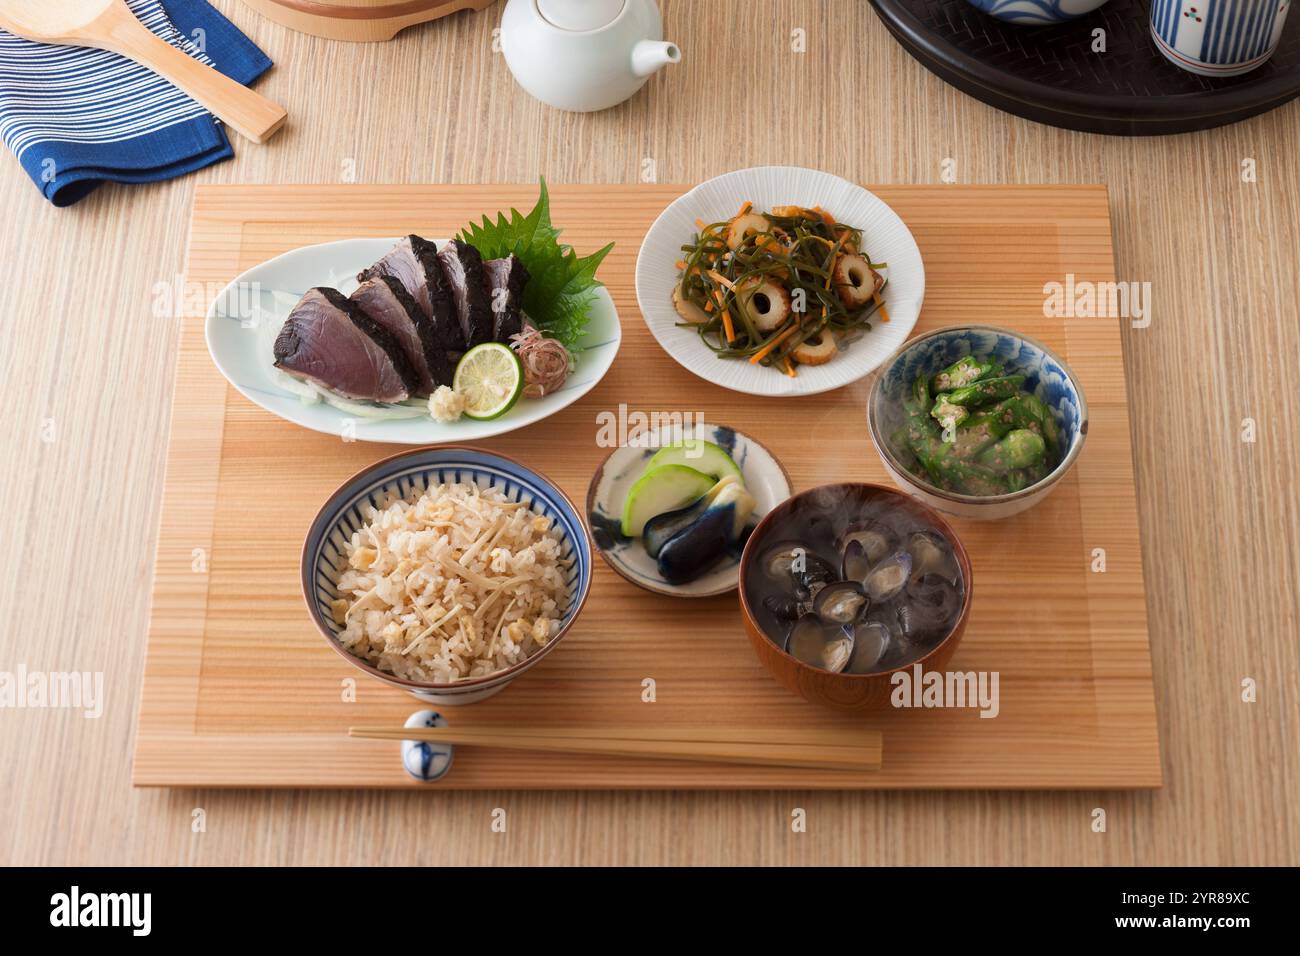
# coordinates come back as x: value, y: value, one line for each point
x: 1045, y: 375
x: 1036, y: 12
x: 424, y: 760
x: 407, y: 474
x: 763, y: 476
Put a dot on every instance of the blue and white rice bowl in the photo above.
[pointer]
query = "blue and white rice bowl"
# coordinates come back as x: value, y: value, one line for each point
x: 407, y: 475
x: 1037, y: 12
x: 1045, y: 375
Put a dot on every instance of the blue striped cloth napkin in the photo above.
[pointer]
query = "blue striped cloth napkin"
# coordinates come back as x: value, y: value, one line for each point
x: 77, y: 117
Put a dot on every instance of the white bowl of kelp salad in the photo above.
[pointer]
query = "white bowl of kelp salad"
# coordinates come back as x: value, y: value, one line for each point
x: 977, y: 421
x: 780, y: 281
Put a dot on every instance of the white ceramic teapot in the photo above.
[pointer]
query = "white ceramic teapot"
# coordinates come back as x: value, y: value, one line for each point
x: 584, y: 55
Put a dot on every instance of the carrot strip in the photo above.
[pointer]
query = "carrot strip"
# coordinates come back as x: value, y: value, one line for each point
x: 773, y: 343
x: 727, y: 323
x: 745, y: 208
x: 722, y: 280
x: 789, y: 368
x: 681, y: 266
x: 884, y: 312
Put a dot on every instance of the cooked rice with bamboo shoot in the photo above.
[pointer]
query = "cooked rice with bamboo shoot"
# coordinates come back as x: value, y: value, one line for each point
x: 459, y: 582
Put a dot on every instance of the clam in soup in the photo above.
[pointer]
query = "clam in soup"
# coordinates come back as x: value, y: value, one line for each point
x: 855, y: 588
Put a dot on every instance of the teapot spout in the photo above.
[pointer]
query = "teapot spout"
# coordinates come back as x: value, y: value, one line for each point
x: 650, y: 56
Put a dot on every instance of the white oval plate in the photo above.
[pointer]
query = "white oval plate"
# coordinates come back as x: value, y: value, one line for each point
x: 764, y: 477
x: 242, y: 324
x: 885, y: 238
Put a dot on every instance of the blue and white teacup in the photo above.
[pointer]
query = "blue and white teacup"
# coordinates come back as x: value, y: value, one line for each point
x: 1218, y: 37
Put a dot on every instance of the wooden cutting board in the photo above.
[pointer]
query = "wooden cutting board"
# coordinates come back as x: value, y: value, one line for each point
x: 240, y: 690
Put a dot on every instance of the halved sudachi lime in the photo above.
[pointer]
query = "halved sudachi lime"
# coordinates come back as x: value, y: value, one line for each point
x: 491, y: 379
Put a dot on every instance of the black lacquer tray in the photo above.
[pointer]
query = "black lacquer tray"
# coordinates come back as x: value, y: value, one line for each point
x: 1050, y: 73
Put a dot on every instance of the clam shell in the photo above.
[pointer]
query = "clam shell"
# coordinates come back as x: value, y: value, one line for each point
x: 875, y: 540
x: 778, y: 560
x: 932, y: 554
x: 871, y: 641
x: 840, y: 603
x: 818, y: 644
x: 888, y: 578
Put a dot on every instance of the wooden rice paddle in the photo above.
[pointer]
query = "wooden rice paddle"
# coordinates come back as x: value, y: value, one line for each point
x: 110, y: 25
x: 834, y: 750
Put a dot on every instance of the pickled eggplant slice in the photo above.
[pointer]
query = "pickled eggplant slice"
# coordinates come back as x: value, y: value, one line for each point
x: 820, y: 645
x: 660, y: 529
x: 697, y: 539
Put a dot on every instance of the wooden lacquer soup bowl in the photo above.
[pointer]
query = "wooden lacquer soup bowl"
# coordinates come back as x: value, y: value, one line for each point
x: 842, y: 691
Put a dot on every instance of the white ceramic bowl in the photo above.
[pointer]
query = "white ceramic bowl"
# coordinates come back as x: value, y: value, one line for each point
x: 885, y: 238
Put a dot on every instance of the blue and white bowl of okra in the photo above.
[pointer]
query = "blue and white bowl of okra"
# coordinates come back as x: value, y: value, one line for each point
x: 1046, y: 376
x: 405, y: 476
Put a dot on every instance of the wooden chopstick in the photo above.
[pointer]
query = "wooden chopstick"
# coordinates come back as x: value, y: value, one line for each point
x: 855, y: 739
x: 834, y: 737
x: 863, y: 756
x: 710, y: 752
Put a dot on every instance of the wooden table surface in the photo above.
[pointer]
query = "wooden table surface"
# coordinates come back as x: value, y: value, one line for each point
x: 1210, y: 220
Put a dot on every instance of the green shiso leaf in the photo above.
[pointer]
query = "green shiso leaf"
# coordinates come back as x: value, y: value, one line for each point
x: 561, y: 285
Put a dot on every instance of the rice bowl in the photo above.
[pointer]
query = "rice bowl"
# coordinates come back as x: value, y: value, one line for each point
x: 459, y: 582
x: 393, y: 552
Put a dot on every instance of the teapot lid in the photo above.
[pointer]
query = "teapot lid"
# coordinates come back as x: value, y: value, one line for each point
x: 580, y: 16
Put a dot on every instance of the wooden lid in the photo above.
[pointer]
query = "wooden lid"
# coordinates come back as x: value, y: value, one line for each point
x: 358, y: 20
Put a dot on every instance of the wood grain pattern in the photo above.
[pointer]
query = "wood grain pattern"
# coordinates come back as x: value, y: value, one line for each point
x: 749, y: 747
x: 1074, y: 712
x: 88, y: 355
x: 359, y: 21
